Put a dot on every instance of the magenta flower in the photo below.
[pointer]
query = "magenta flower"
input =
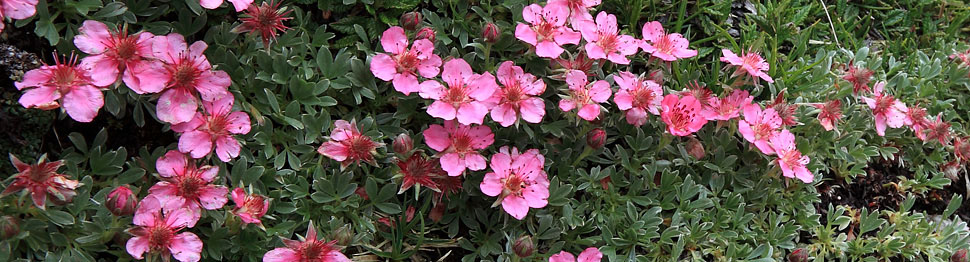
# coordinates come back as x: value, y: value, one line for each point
x: 591, y: 254
x: 459, y: 145
x: 114, y: 52
x: 347, y: 145
x: 660, y: 44
x: 584, y: 96
x: 637, y: 96
x: 518, y: 181
x: 157, y: 231
x: 887, y: 110
x: 729, y: 107
x: 17, y: 9
x: 517, y: 97
x: 465, y: 98
x: 750, y: 63
x: 791, y: 161
x: 64, y: 83
x: 214, y: 129
x: 578, y: 9
x: 683, y: 115
x: 402, y: 65
x: 42, y: 182
x: 265, y: 20
x: 186, y: 72
x: 188, y: 186
x: 547, y: 30
x: 239, y: 5
x: 605, y: 42
x: 759, y: 126
x: 311, y: 249
x: 249, y: 207
x: 829, y: 114
x: 916, y: 120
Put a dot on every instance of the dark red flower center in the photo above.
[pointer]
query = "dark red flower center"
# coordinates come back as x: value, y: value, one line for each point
x: 457, y: 94
x: 190, y: 185
x: 160, y: 236
x: 407, y: 61
x: 360, y: 147
x: 314, y: 250
x: 184, y: 74
x: 514, y: 185
x: 681, y: 116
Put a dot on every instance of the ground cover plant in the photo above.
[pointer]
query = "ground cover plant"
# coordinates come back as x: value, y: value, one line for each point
x: 444, y: 130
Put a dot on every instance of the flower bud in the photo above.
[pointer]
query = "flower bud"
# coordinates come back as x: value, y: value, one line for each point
x: 425, y: 33
x: 409, y: 214
x: 121, y: 201
x: 403, y: 145
x: 959, y: 256
x: 695, y: 148
x: 362, y: 193
x: 343, y: 235
x: 411, y: 20
x: 437, y: 213
x: 798, y: 255
x: 491, y: 33
x: 523, y: 246
x: 596, y: 138
x: 657, y: 76
x: 9, y: 227
x: 605, y: 183
x: 951, y: 170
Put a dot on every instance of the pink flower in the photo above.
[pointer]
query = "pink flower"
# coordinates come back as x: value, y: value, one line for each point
x: 830, y: 113
x: 157, y: 231
x: 916, y: 120
x: 961, y: 148
x: 347, y: 145
x: 591, y: 254
x: 939, y: 130
x: 786, y: 111
x: 249, y: 207
x: 637, y: 96
x: 791, y: 161
x: 264, y: 20
x: 419, y: 170
x: 311, y: 249
x: 17, y: 9
x: 518, y: 180
x: 42, y: 182
x: 121, y: 201
x: 585, y: 96
x: 752, y: 63
x: 402, y: 64
x: 214, y: 129
x: 605, y: 42
x: 114, y: 52
x: 683, y: 116
x: 239, y: 5
x: 459, y: 145
x: 703, y: 95
x: 188, y: 186
x: 465, y: 98
x: 547, y: 30
x: 887, y: 110
x: 729, y: 107
x: 859, y: 77
x: 578, y: 9
x: 667, y: 47
x: 759, y: 126
x: 517, y: 96
x: 186, y: 72
x: 64, y: 83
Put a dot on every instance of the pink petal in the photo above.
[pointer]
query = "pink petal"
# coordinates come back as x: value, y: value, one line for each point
x: 482, y: 137
x: 595, y: 51
x: 196, y: 143
x: 210, y: 4
x: 208, y: 173
x: 171, y: 164
x: 453, y: 164
x: 576, y: 79
x: 238, y: 123
x: 567, y: 36
x: 240, y: 4
x: 566, y: 104
x: 482, y: 87
x: 442, y: 110
x: 40, y: 96
x: 515, y: 206
x: 193, y: 124
x: 227, y: 148
x: 600, y: 91
x: 137, y: 246
x: 548, y: 49
x: 186, y: 247
x: 83, y: 102
x: 471, y: 113
x: 563, y: 256
x: 34, y: 77
x: 429, y: 67
x: 880, y: 125
x: 536, y: 196
x: 652, y: 31
x: 636, y: 116
x: 474, y: 162
x: 431, y: 89
x: 145, y: 77
x: 281, y: 254
x: 334, y: 150
x: 532, y: 110
x: 591, y: 254
x: 213, y: 197
x: 169, y: 47
x: 589, y: 112
x: 92, y: 37
x: 394, y: 40
x: 437, y: 138
x: 383, y: 67
x: 492, y: 184
x: 526, y: 34
x: 213, y: 85
x: 501, y: 166
x: 406, y: 83
x: 180, y: 217
x: 19, y: 9
x: 504, y: 114
x: 532, y: 14
x: 456, y: 71
x: 238, y: 196
x: 335, y: 256
x: 730, y: 57
x: 623, y: 100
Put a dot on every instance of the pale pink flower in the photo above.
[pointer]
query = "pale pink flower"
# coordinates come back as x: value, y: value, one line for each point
x: 578, y: 9
x: 186, y: 72
x: 17, y: 9
x: 637, y: 96
x: 660, y: 44
x: 213, y: 129
x: 239, y: 5
x: 42, y: 182
x: 347, y: 145
x: 114, y: 53
x: 546, y: 30
x: 585, y: 96
x: 829, y: 114
x: 729, y: 107
x: 402, y: 65
x: 518, y: 96
x: 591, y: 254
x: 683, y: 115
x: 916, y: 120
x: 459, y: 145
x: 887, y: 110
x: 187, y: 185
x: 157, y: 231
x: 464, y: 98
x: 750, y: 63
x: 249, y: 207
x: 790, y: 160
x: 604, y: 40
x: 311, y: 249
x: 518, y: 180
x: 64, y: 83
x: 759, y: 126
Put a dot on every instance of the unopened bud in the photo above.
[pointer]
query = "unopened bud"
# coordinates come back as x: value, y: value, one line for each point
x: 343, y: 235
x: 362, y: 193
x: 411, y: 20
x: 695, y: 148
x: 409, y: 214
x: 605, y: 183
x: 491, y: 33
x: 425, y: 33
x: 596, y: 138
x: 657, y: 76
x: 437, y: 213
x: 798, y: 255
x: 959, y: 256
x: 403, y: 145
x: 121, y: 201
x: 523, y: 246
x: 9, y: 227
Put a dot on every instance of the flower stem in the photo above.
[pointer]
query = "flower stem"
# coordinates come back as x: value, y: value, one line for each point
x: 583, y: 155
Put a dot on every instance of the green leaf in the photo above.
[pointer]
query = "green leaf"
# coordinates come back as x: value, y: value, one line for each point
x: 60, y: 217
